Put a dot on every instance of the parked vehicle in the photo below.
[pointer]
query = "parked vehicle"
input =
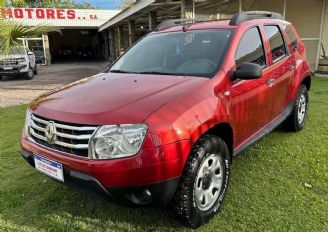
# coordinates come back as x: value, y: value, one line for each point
x: 65, y: 52
x: 84, y: 51
x: 164, y: 122
x: 20, y: 62
x: 39, y: 55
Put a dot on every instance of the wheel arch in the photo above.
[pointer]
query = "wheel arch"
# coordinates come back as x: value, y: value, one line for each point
x: 307, y: 82
x: 225, y: 132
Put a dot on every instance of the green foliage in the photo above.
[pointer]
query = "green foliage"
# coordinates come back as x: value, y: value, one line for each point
x: 267, y: 191
x: 125, y: 4
x: 62, y: 4
x: 2, y: 3
x: 11, y: 31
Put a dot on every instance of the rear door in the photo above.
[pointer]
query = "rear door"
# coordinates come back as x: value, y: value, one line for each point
x: 282, y: 65
x: 251, y: 100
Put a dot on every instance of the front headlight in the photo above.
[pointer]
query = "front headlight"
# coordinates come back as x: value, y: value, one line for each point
x: 21, y: 60
x: 117, y: 141
x: 27, y: 124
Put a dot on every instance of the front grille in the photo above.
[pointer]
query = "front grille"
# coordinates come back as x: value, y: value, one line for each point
x: 68, y: 138
x: 9, y: 62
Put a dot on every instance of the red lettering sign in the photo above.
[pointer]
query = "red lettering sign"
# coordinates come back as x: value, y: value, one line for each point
x: 29, y: 12
x: 70, y: 14
x: 39, y: 13
x: 60, y: 14
x: 18, y: 12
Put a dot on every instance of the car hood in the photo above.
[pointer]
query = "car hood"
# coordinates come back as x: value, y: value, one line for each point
x: 111, y: 98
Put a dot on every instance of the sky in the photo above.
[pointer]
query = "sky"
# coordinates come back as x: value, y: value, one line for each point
x: 102, y: 4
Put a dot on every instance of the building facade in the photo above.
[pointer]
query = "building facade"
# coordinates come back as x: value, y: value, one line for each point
x: 108, y: 33
x: 310, y: 17
x: 77, y: 30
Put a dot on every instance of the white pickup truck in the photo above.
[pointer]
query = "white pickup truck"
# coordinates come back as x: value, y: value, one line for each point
x: 20, y: 62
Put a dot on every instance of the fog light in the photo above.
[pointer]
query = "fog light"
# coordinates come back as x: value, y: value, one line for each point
x: 146, y: 194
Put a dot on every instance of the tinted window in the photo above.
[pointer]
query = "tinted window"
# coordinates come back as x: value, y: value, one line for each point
x: 292, y: 37
x: 193, y: 53
x: 250, y: 48
x: 276, y: 41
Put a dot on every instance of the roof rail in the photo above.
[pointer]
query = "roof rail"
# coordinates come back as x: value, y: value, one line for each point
x: 249, y: 15
x: 176, y: 22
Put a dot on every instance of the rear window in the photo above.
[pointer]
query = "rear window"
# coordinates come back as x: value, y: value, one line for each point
x: 292, y: 37
x: 277, y: 45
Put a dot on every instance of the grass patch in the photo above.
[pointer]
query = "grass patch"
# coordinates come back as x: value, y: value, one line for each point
x: 267, y: 189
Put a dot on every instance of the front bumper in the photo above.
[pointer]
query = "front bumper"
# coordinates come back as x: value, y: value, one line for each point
x: 150, y: 177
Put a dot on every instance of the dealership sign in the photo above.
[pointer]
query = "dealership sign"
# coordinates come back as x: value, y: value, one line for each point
x: 58, y: 17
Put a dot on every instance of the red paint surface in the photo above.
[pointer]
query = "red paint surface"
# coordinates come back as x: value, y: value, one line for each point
x: 177, y: 110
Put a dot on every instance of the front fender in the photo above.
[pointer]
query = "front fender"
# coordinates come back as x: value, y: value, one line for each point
x: 189, y: 116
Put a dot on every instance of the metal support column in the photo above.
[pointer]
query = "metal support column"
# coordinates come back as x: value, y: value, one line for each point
x: 120, y: 39
x: 105, y: 52
x: 132, y: 32
x: 112, y: 45
x: 46, y: 48
x: 322, y: 23
x: 186, y: 9
x: 152, y: 20
x: 284, y: 10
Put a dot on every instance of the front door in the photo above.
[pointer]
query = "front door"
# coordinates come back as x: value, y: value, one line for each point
x: 251, y: 100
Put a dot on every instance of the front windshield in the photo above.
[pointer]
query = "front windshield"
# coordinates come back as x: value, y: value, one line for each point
x: 192, y: 53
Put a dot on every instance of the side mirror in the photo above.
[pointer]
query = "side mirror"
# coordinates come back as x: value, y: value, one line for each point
x: 248, y: 71
x: 30, y: 53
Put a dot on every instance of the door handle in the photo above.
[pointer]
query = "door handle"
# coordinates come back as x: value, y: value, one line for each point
x: 291, y: 68
x: 270, y: 82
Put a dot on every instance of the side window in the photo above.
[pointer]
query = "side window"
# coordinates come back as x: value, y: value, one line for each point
x: 250, y: 48
x: 277, y: 45
x: 292, y: 37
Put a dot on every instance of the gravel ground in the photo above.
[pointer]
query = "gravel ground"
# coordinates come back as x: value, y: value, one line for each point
x: 15, y: 91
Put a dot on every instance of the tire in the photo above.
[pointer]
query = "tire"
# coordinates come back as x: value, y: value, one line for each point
x: 36, y: 69
x: 296, y: 120
x: 1, y: 78
x: 30, y: 74
x: 194, y: 184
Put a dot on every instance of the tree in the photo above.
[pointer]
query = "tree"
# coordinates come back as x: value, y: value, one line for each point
x: 125, y: 4
x: 11, y: 31
x: 62, y: 4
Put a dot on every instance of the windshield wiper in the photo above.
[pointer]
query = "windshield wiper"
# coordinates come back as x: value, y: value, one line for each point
x: 157, y: 73
x: 147, y: 72
x: 119, y: 71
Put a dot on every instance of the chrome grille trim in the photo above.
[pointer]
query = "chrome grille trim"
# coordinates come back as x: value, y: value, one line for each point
x: 78, y: 146
x: 70, y: 139
x: 78, y: 137
x: 58, y: 125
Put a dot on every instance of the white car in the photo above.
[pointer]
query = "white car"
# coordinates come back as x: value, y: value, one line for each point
x: 21, y: 61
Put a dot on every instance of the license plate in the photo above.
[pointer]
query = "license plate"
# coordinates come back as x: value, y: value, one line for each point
x: 49, y: 167
x: 7, y: 68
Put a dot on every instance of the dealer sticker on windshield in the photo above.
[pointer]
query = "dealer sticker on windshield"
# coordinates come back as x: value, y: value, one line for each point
x: 49, y: 167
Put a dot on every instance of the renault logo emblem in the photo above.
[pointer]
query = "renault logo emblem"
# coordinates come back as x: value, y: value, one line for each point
x: 50, y: 132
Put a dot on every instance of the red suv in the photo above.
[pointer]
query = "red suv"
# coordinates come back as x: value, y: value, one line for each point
x: 164, y: 122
